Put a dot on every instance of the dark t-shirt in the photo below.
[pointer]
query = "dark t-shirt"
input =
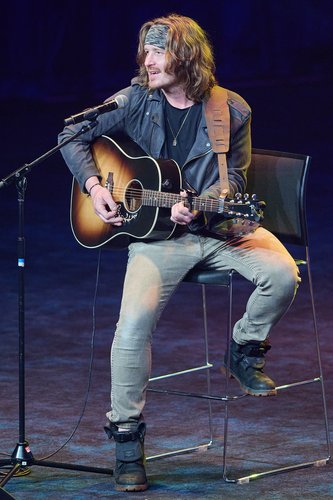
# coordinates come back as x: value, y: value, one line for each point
x: 181, y: 129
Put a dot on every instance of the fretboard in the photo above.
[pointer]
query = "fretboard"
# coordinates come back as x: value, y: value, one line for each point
x: 160, y: 199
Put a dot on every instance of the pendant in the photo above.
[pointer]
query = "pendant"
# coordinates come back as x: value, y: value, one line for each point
x: 174, y: 142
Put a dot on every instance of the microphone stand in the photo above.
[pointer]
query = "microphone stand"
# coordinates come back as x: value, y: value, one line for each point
x: 22, y: 456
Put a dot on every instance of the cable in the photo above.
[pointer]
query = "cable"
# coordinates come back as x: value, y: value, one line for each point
x: 90, y: 363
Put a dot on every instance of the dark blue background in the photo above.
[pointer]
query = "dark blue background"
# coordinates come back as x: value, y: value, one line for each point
x: 61, y: 56
x: 83, y: 50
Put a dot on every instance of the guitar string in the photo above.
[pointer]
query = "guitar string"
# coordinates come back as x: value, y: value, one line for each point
x: 162, y: 194
x: 169, y: 199
x: 158, y: 194
x: 203, y: 203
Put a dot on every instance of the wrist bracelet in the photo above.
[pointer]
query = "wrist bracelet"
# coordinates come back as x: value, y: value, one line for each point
x: 96, y: 184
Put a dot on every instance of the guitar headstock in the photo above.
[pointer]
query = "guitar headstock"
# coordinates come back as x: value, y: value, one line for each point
x: 241, y: 215
x: 245, y: 207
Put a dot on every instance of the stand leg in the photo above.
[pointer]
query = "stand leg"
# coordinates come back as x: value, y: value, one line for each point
x: 10, y: 474
x: 22, y: 457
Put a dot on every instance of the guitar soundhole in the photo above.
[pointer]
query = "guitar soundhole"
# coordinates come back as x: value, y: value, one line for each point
x: 133, y: 196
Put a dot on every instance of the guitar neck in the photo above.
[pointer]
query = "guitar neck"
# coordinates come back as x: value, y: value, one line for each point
x: 161, y: 199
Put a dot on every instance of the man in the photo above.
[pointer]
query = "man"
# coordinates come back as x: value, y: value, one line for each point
x: 165, y: 116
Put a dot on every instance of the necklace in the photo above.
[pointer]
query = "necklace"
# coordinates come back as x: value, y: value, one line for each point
x: 174, y: 142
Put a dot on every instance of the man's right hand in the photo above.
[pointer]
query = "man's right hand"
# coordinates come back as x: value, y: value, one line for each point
x: 104, y: 205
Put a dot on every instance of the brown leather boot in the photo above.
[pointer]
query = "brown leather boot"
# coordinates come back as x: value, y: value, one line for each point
x: 129, y: 474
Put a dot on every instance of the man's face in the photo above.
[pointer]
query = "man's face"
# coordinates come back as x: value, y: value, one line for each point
x: 155, y: 65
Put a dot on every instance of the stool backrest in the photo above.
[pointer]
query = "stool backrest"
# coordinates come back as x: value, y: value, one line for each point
x: 279, y: 179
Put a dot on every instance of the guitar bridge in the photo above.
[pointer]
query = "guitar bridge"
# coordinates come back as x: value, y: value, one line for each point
x: 109, y: 182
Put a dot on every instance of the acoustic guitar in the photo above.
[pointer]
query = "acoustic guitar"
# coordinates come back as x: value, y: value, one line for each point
x: 145, y: 189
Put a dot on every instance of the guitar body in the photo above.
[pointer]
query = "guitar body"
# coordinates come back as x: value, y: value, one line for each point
x: 132, y: 172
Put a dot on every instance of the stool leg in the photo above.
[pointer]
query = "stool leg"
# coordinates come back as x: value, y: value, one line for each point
x: 314, y: 317
x: 227, y: 378
x: 210, y: 417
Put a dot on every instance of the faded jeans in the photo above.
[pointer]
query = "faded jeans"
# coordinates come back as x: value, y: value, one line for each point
x: 154, y: 271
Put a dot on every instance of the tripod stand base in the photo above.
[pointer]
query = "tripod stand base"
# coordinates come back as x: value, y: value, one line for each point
x: 22, y: 459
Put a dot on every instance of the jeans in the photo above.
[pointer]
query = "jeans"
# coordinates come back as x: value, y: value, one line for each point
x: 154, y: 271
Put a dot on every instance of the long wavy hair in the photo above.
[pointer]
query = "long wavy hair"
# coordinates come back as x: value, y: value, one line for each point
x: 189, y: 55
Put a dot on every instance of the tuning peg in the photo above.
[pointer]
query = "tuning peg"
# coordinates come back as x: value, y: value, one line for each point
x: 254, y: 197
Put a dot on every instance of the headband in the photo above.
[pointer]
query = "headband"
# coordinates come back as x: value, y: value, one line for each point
x: 157, y: 35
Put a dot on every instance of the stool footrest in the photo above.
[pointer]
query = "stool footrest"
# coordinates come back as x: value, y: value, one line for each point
x: 296, y: 384
x: 182, y: 372
x: 181, y: 451
x: 246, y: 479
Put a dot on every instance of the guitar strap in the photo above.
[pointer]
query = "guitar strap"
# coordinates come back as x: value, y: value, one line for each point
x: 218, y: 124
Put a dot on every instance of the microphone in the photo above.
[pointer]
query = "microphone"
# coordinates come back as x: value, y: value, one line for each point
x: 120, y: 101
